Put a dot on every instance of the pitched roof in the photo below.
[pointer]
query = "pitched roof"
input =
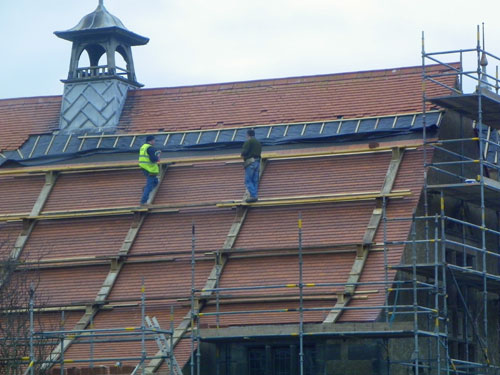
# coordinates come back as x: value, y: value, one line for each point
x: 264, y: 252
x: 265, y: 249
x: 325, y: 225
x: 276, y: 101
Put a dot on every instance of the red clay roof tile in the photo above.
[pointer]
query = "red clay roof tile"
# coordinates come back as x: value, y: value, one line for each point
x: 92, y: 237
x: 122, y: 317
x: 249, y: 317
x: 327, y: 175
x: 295, y: 99
x: 96, y: 190
x: 410, y: 176
x: 280, y: 270
x: 52, y: 321
x: 204, y: 182
x: 276, y: 101
x: 8, y: 236
x: 19, y: 194
x: 22, y: 117
x: 325, y: 224
x: 172, y: 232
x: 355, y: 94
x: 166, y: 280
x: 70, y: 286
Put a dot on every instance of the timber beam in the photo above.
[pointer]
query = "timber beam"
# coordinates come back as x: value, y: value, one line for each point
x: 200, y: 159
x: 28, y: 224
x: 344, y: 297
x: 174, y: 208
x: 318, y: 199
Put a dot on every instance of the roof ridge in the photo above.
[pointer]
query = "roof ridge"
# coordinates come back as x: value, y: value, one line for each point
x: 31, y: 100
x: 344, y: 76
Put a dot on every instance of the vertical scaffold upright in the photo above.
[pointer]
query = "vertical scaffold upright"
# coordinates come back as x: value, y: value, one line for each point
x: 89, y: 337
x: 447, y: 279
x: 454, y: 238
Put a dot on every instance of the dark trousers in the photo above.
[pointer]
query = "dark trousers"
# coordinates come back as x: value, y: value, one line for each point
x: 151, y: 182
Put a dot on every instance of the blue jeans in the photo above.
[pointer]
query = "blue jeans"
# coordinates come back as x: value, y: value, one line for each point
x: 252, y: 178
x: 151, y: 182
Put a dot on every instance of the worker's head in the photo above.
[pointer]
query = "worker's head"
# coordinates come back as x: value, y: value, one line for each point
x: 150, y: 139
x: 250, y: 133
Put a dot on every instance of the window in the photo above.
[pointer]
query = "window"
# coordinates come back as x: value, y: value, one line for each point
x: 460, y: 258
x: 281, y: 360
x: 257, y: 361
x: 309, y: 360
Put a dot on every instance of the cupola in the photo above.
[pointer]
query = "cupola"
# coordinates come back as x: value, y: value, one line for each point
x: 94, y: 95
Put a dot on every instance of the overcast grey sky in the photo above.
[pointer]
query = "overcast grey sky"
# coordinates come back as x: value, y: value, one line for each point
x: 207, y: 41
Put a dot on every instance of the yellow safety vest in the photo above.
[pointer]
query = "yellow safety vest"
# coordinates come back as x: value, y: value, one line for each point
x: 145, y: 162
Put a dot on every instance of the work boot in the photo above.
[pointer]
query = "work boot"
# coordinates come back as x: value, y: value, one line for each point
x: 252, y: 199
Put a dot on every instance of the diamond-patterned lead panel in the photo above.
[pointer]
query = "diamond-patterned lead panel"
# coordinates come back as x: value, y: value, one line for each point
x: 93, y: 106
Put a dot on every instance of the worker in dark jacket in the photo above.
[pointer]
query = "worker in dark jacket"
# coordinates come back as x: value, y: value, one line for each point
x: 148, y: 161
x: 251, y: 155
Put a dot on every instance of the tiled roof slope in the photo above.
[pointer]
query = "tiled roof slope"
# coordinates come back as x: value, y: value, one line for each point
x: 8, y: 235
x: 19, y: 194
x: 325, y: 229
x: 323, y: 97
x: 264, y: 253
x: 24, y: 116
x: 81, y: 250
x: 54, y: 239
x: 287, y: 100
x: 410, y: 176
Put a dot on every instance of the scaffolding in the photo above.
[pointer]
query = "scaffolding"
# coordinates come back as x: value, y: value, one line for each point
x: 449, y: 337
x: 451, y: 252
x: 298, y: 331
x: 459, y: 196
x: 149, y: 330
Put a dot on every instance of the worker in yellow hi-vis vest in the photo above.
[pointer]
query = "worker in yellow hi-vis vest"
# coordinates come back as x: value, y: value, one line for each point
x: 148, y: 161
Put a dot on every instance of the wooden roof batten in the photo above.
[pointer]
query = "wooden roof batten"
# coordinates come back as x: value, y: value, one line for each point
x: 174, y: 208
x: 171, y: 256
x: 95, y: 167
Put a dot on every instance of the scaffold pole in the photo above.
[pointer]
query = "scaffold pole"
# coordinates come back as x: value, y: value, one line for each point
x: 301, y: 299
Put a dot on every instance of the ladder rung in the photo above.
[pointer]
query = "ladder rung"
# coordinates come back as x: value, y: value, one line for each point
x: 163, y: 344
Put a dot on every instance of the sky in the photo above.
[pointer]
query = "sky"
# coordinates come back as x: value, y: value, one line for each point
x: 201, y: 41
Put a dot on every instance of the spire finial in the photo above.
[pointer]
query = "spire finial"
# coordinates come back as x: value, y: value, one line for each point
x: 101, y: 3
